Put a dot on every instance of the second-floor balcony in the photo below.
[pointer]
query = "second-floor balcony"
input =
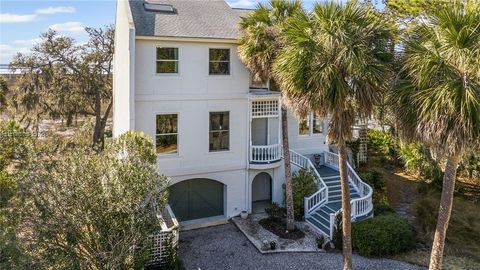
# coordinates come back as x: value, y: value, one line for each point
x: 262, y: 154
x: 265, y: 130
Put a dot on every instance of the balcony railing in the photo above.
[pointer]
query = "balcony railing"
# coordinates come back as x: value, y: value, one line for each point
x: 265, y: 153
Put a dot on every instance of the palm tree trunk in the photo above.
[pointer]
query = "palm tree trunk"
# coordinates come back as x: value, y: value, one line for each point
x: 346, y: 209
x: 444, y: 212
x: 288, y: 173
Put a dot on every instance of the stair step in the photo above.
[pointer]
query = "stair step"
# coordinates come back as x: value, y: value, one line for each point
x: 323, y: 217
x: 338, y: 187
x: 334, y: 205
x: 319, y: 225
x: 333, y: 179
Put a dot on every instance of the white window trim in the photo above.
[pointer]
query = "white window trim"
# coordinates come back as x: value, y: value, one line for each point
x: 156, y: 60
x: 230, y: 71
x: 229, y: 134
x: 310, y: 127
x: 178, y: 135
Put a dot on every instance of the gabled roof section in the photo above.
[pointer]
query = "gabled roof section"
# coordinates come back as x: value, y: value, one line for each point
x: 191, y: 18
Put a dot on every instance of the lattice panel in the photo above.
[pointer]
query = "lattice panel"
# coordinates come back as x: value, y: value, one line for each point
x: 264, y: 108
x: 158, y: 251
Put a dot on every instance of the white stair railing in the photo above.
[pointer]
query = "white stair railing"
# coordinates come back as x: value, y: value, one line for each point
x: 318, y: 198
x: 360, y: 206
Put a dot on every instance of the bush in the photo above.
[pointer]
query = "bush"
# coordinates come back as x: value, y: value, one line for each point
x: 338, y: 233
x: 412, y: 156
x: 8, y: 187
x: 275, y: 212
x: 382, y: 235
x: 381, y: 142
x: 382, y: 209
x: 303, y: 185
x: 377, y: 182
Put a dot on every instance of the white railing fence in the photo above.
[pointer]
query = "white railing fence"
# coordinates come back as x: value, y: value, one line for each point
x: 169, y: 233
x: 321, y: 196
x: 360, y: 206
x: 265, y: 153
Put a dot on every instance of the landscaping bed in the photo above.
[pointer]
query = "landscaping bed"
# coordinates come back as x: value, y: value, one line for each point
x: 262, y: 238
x: 279, y: 228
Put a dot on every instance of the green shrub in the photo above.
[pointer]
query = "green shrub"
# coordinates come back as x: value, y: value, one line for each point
x: 382, y: 235
x: 8, y: 187
x: 381, y: 142
x: 382, y: 209
x: 377, y: 182
x: 275, y: 212
x: 338, y: 233
x: 412, y: 156
x: 303, y: 185
x: 433, y: 172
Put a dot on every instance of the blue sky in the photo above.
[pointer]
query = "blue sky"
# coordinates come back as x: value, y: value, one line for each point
x: 22, y: 21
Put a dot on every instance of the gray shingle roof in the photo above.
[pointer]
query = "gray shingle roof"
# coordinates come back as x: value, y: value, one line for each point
x: 193, y: 18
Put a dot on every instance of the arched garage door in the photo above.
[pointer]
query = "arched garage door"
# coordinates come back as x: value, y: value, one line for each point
x: 196, y: 198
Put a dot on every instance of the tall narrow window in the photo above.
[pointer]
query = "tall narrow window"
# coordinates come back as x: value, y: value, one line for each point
x: 167, y: 60
x: 303, y: 126
x: 219, y: 62
x: 166, y: 138
x: 219, y: 131
x: 317, y: 124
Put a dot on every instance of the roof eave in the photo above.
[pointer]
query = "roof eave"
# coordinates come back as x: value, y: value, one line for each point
x: 189, y: 39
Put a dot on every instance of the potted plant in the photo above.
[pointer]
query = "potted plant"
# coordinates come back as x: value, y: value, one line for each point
x: 273, y: 245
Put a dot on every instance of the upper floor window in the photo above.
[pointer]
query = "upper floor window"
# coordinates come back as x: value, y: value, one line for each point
x: 310, y: 125
x: 167, y: 60
x: 219, y: 62
x: 219, y: 131
x: 166, y: 135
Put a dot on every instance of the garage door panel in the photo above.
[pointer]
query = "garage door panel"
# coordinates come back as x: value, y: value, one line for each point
x: 197, y: 198
x: 178, y: 200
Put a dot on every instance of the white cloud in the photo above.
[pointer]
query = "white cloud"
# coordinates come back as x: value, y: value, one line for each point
x: 72, y: 27
x: 243, y: 4
x: 26, y: 42
x: 16, y: 18
x: 54, y: 10
x: 7, y: 52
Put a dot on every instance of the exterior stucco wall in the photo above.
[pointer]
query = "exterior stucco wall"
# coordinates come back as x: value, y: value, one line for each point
x: 123, y: 70
x: 306, y: 144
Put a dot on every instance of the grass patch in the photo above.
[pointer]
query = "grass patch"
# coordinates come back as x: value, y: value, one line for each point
x: 463, y: 235
x: 450, y: 262
x: 279, y: 228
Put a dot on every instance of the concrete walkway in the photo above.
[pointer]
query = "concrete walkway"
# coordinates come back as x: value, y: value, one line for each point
x: 225, y: 247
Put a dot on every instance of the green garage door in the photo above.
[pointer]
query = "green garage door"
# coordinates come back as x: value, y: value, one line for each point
x: 196, y: 198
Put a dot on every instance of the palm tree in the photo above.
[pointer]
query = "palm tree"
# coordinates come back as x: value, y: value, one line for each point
x: 437, y: 96
x: 336, y: 63
x: 258, y: 47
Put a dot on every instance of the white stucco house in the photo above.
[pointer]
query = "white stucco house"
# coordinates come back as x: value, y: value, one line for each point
x: 178, y: 79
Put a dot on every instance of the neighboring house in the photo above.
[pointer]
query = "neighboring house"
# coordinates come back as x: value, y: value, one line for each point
x: 178, y: 79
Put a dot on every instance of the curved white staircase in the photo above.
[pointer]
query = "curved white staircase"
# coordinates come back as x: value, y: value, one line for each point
x: 322, y: 207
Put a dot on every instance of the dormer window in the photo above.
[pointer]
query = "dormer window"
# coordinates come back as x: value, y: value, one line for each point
x: 167, y: 60
x: 219, y: 62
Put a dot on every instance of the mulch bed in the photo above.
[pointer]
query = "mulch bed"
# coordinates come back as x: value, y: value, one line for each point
x: 279, y: 228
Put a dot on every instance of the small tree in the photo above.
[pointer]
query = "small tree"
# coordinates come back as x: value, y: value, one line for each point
x: 3, y: 93
x: 60, y: 79
x: 87, y: 210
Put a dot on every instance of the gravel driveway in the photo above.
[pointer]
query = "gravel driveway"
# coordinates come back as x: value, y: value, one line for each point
x: 225, y: 247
